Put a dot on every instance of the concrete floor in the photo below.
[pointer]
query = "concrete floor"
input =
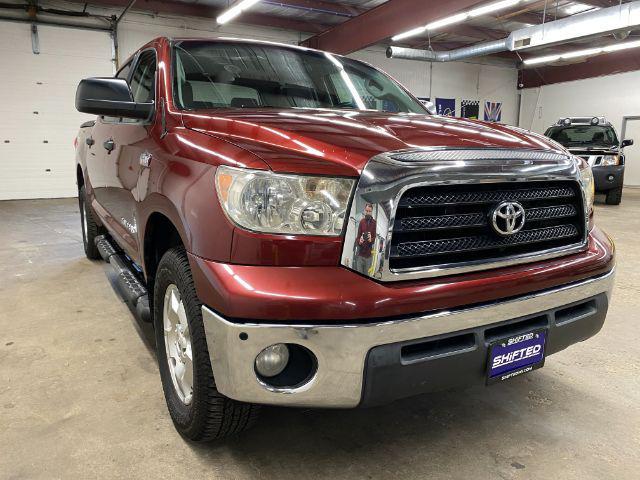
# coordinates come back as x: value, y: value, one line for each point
x: 80, y: 395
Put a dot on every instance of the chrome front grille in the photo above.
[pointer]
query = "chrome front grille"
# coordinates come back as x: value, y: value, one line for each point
x: 433, y: 210
x: 452, y: 224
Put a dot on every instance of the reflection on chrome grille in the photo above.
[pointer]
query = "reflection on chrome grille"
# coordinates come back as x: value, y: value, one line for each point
x: 481, y: 242
x: 451, y: 224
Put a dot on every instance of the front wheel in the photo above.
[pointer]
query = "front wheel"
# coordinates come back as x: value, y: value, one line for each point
x: 199, y: 412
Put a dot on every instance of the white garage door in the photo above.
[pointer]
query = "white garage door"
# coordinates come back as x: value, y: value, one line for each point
x: 38, y: 120
x: 632, y: 154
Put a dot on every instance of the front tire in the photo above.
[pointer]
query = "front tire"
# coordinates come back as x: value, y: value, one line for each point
x: 614, y: 196
x: 199, y: 412
x: 90, y: 229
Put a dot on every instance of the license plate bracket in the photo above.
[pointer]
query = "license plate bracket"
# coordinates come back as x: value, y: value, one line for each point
x: 512, y: 356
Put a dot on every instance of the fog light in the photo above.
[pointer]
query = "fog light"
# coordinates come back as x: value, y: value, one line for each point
x: 272, y: 360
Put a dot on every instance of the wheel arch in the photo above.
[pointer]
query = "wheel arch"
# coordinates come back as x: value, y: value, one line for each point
x: 160, y: 234
x: 163, y: 229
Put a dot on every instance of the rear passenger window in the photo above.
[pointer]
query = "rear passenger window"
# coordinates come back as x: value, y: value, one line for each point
x: 143, y: 78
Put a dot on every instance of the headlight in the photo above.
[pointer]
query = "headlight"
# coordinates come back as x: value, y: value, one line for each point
x: 610, y: 160
x: 281, y: 203
x: 588, y: 185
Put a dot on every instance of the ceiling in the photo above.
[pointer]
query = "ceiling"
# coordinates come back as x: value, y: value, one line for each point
x: 350, y: 25
x: 315, y: 17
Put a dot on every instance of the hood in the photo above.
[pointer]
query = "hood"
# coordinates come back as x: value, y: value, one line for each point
x: 340, y: 142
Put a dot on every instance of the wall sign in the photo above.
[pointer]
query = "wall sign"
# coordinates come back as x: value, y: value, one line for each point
x: 470, y: 109
x: 492, y: 111
x: 446, y: 106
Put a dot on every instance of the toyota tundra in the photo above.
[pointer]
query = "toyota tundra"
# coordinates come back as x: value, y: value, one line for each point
x: 302, y: 232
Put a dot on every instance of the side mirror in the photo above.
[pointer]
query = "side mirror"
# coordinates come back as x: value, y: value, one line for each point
x: 111, y: 97
x: 626, y: 143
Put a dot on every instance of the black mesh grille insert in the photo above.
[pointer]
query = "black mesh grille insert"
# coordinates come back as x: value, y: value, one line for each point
x: 417, y: 199
x: 452, y: 224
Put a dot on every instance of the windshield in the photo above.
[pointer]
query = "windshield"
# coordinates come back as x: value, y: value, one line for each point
x: 246, y: 75
x: 583, y: 135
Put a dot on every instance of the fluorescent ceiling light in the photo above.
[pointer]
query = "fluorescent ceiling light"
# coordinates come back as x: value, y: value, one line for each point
x: 548, y: 58
x: 493, y: 7
x: 582, y: 53
x: 457, y: 18
x: 235, y: 10
x: 411, y: 33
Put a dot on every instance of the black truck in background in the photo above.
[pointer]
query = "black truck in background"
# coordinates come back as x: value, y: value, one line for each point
x: 595, y: 140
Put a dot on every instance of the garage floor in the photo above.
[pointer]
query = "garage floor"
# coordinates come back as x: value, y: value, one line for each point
x: 80, y: 395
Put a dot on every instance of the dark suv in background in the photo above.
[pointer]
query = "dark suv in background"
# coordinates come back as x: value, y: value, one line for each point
x: 595, y: 140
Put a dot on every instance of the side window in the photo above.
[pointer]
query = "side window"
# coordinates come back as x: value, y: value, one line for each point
x: 124, y: 72
x: 143, y: 78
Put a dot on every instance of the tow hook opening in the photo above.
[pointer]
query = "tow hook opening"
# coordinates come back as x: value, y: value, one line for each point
x: 285, y: 366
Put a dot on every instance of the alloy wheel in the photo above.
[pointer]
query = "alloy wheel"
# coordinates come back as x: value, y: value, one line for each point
x: 177, y: 342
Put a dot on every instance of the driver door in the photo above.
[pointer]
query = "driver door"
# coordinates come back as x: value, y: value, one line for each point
x: 131, y: 142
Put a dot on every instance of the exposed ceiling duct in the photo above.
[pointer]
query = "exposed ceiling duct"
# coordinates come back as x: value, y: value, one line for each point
x: 477, y: 50
x: 616, y: 19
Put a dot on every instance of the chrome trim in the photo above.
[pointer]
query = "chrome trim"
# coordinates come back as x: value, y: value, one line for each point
x: 439, y: 155
x: 386, y: 177
x: 342, y: 349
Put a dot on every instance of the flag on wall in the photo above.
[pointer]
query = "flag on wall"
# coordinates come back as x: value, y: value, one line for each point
x: 492, y: 111
x: 446, y: 106
x: 470, y: 109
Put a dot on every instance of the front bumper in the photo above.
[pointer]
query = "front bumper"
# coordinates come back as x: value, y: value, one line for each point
x: 361, y: 363
x: 608, y: 177
x: 335, y: 295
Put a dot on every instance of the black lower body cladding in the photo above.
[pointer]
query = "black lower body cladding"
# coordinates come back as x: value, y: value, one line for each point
x: 459, y: 359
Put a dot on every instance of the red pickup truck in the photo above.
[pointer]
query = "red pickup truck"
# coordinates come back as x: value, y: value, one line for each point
x: 302, y: 232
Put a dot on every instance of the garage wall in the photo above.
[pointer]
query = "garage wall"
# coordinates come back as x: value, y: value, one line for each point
x: 613, y: 96
x: 459, y: 80
x: 37, y: 119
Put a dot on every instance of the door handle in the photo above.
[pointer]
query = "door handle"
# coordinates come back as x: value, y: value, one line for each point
x: 90, y: 141
x: 109, y: 145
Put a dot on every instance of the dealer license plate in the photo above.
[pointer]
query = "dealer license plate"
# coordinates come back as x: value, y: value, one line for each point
x: 516, y: 355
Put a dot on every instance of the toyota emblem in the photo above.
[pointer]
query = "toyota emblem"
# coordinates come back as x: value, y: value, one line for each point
x: 508, y: 218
